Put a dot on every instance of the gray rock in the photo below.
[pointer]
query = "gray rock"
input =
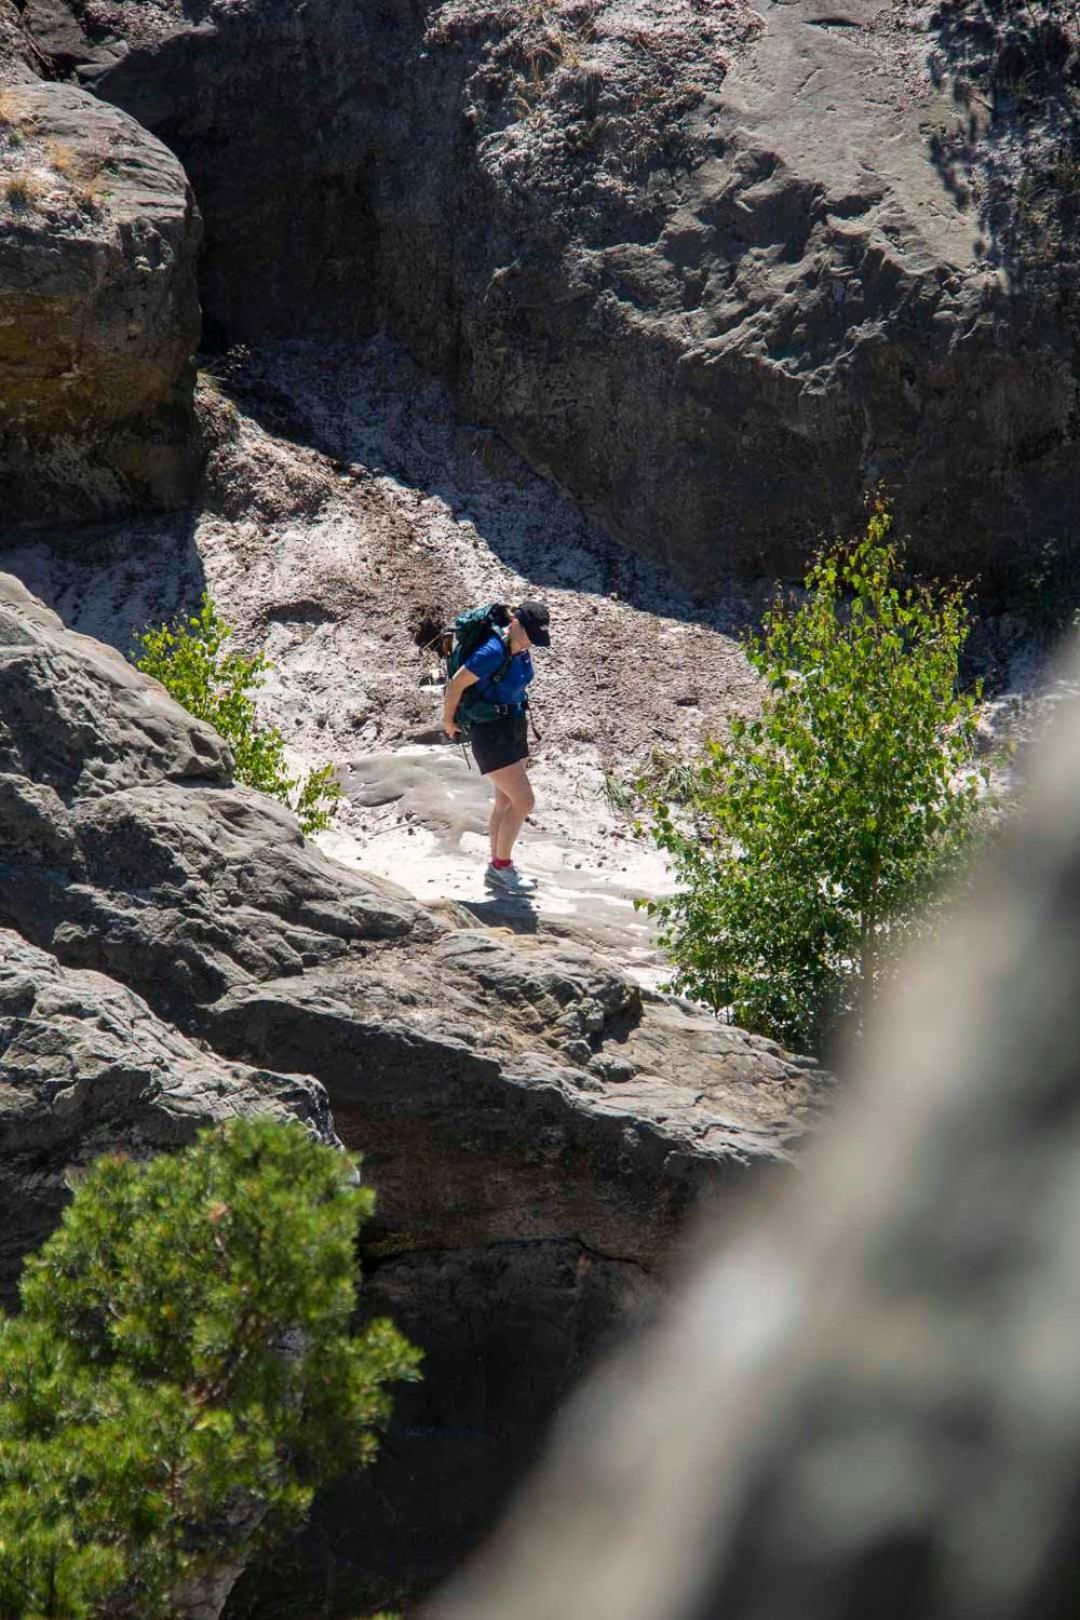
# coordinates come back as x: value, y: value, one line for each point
x: 130, y: 849
x: 99, y: 313
x: 444, y: 1050
x: 717, y: 270
x: 429, y: 1061
x: 86, y: 1069
x: 866, y: 1402
x: 59, y: 36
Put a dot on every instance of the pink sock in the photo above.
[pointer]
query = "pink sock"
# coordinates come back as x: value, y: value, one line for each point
x: 500, y: 865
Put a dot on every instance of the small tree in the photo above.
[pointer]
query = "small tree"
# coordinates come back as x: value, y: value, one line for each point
x: 183, y: 1375
x: 807, y: 844
x: 191, y: 660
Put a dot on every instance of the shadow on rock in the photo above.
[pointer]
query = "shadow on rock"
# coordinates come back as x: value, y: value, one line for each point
x: 1014, y: 153
x: 96, y: 578
x: 513, y: 911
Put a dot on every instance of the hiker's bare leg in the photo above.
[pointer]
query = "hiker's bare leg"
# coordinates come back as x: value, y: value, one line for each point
x: 512, y: 781
x: 498, y: 812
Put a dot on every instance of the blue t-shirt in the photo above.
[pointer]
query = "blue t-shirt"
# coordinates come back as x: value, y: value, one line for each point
x: 488, y: 659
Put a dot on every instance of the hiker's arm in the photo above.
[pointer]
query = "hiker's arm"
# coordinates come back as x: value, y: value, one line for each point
x: 452, y: 697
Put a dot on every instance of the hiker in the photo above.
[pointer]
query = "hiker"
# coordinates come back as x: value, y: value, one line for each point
x: 499, y: 670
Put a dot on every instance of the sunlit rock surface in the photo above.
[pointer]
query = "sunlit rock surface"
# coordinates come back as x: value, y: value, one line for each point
x: 99, y: 313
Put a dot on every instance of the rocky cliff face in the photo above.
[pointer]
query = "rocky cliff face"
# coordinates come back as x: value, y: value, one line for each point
x: 717, y: 269
x: 537, y: 1129
x: 98, y: 310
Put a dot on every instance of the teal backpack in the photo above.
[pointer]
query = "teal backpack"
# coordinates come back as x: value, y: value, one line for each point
x: 471, y: 630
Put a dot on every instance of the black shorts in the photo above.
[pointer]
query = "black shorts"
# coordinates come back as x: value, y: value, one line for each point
x: 500, y: 742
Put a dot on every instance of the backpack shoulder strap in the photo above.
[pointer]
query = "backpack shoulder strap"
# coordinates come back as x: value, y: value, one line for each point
x: 496, y: 675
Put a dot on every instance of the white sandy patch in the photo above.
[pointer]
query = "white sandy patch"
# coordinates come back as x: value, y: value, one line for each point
x: 425, y: 815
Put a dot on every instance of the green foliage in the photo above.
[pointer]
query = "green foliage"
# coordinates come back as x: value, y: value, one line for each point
x: 183, y: 1375
x: 191, y: 660
x: 808, y: 843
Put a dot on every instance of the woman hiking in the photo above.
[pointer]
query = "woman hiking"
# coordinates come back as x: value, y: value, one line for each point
x: 501, y: 669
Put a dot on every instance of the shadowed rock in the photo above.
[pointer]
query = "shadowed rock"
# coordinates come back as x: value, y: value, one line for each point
x: 717, y: 269
x: 868, y: 1402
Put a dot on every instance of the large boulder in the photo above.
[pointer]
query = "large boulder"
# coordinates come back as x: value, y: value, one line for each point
x: 717, y: 269
x: 99, y: 311
x: 867, y: 1401
x: 85, y: 1069
x: 537, y: 1130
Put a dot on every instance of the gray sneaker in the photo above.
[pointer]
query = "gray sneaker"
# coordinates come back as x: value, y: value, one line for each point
x: 510, y: 879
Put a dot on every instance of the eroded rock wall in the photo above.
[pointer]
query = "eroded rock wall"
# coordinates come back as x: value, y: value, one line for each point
x: 718, y: 270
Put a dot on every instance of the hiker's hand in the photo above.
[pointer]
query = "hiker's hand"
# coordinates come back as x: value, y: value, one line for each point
x: 451, y: 729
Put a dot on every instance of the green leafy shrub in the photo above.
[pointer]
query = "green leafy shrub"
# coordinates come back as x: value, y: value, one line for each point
x: 183, y: 1375
x: 808, y: 843
x: 191, y: 660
